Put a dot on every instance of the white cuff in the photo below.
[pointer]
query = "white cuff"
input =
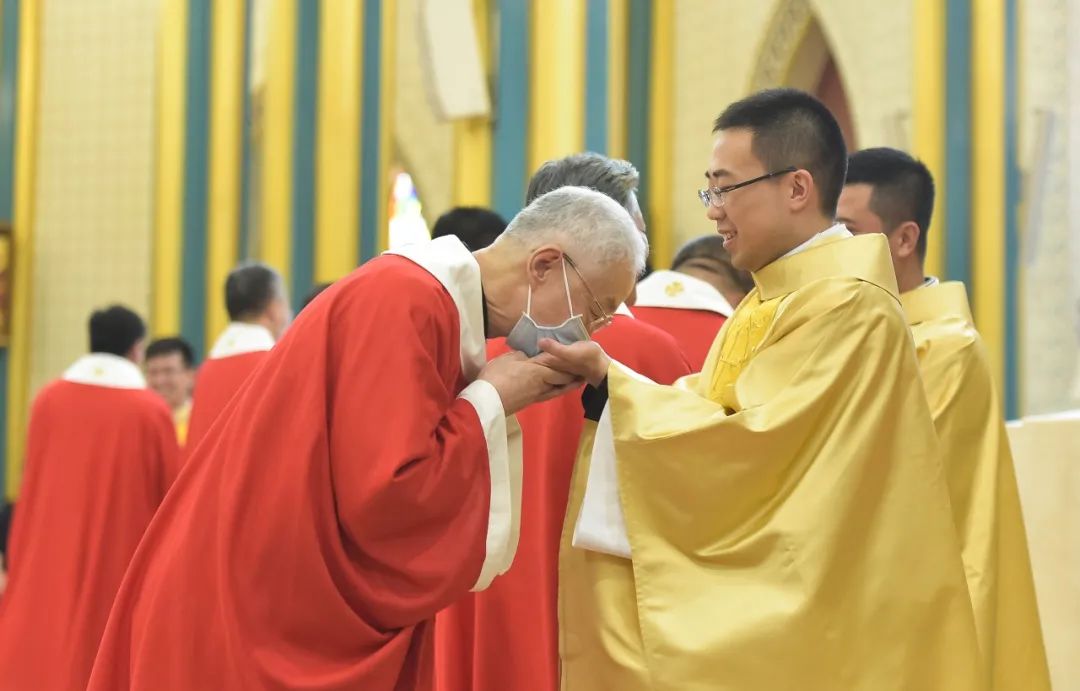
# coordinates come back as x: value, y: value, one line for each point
x: 600, y: 526
x: 503, y: 436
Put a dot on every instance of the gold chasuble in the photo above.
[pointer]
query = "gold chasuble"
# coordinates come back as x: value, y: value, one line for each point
x: 780, y: 521
x: 982, y: 485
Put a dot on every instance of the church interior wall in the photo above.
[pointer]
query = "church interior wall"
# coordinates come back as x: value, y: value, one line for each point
x: 1049, y: 152
x: 95, y: 170
x: 93, y: 192
x: 95, y: 156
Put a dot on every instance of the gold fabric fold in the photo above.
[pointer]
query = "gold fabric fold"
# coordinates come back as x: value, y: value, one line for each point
x: 787, y: 512
x: 975, y: 453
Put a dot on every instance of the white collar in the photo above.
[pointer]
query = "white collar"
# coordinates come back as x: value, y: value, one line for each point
x: 453, y: 265
x: 239, y: 338
x: 675, y: 290
x: 836, y: 231
x: 624, y: 310
x: 104, y: 369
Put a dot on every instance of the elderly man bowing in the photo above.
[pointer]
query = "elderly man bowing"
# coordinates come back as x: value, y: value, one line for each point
x: 369, y: 476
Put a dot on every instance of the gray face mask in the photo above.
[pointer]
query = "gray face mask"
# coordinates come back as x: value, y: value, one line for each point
x: 527, y: 334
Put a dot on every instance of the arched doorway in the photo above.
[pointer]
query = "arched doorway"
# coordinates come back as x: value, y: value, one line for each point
x: 795, y: 52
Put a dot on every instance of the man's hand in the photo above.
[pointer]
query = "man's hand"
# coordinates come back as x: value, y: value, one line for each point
x: 585, y: 359
x: 522, y: 382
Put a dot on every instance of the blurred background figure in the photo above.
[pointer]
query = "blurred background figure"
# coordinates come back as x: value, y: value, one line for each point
x: 694, y: 299
x: 259, y: 313
x: 170, y: 373
x: 315, y: 292
x: 475, y: 227
x: 6, y: 513
x: 101, y: 454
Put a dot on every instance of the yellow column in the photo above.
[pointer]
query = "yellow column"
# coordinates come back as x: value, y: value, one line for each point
x: 472, y: 137
x: 618, y: 29
x: 988, y: 176
x: 275, y: 242
x: 388, y: 73
x: 227, y: 86
x: 557, y: 80
x: 660, y: 133
x: 169, y: 183
x: 26, y: 108
x: 337, y: 150
x: 929, y: 134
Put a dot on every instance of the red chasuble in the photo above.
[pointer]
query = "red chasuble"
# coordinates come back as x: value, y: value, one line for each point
x: 689, y: 309
x: 507, y: 637
x: 101, y: 452
x: 356, y: 486
x: 236, y: 353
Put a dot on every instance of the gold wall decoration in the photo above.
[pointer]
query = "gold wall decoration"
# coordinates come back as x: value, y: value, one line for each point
x: 779, y: 42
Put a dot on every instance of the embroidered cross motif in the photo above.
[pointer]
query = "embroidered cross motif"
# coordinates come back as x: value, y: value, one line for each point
x: 741, y: 338
x: 674, y: 288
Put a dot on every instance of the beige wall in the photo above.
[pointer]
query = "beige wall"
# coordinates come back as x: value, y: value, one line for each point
x: 1050, y: 219
x: 1046, y: 450
x: 723, y: 44
x: 93, y: 194
x: 711, y: 68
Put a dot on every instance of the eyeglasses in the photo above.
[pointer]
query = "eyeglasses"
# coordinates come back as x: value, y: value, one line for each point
x: 715, y: 196
x: 605, y: 318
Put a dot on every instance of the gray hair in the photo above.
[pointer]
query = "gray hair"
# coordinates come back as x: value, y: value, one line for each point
x: 250, y: 288
x: 614, y: 177
x: 590, y: 226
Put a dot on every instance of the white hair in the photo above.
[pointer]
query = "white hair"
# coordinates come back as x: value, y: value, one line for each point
x: 590, y: 226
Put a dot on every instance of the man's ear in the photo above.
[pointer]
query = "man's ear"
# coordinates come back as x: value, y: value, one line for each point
x: 542, y: 262
x: 801, y: 186
x: 905, y: 238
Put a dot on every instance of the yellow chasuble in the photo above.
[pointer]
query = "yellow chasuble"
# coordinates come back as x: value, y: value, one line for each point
x: 786, y: 514
x: 982, y: 485
x: 181, y: 418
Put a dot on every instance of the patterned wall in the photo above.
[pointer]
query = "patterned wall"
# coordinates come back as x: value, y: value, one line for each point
x: 703, y: 86
x: 1073, y: 71
x: 93, y: 206
x: 1050, y: 240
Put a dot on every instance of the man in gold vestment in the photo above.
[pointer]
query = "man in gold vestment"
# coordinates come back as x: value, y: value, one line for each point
x: 781, y: 520
x: 889, y: 192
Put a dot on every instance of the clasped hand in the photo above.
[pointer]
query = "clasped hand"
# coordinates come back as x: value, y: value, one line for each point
x: 521, y: 381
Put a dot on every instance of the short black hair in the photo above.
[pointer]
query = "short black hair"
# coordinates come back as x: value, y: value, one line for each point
x: 903, y: 188
x: 707, y: 252
x: 115, y: 330
x: 314, y: 293
x: 250, y: 288
x: 792, y: 128
x: 7, y: 512
x: 611, y: 177
x: 167, y: 346
x: 474, y: 226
